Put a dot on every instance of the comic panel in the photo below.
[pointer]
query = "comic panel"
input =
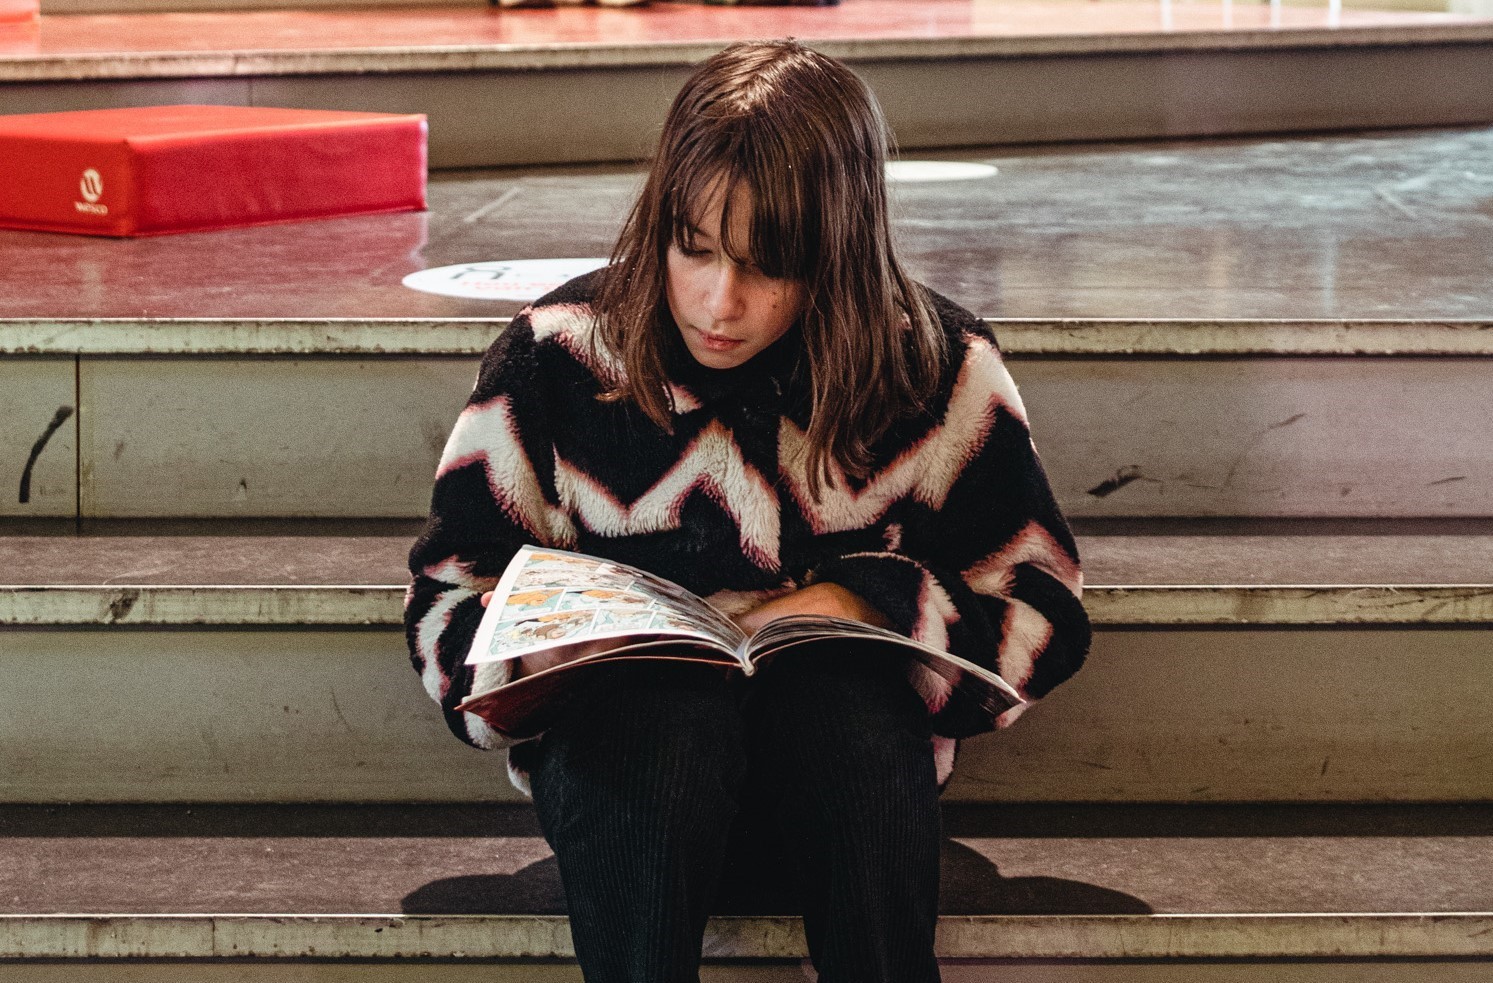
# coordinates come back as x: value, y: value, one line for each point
x: 544, y: 629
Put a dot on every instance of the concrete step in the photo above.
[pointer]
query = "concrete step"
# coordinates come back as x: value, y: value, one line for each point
x: 1230, y: 664
x: 491, y: 80
x: 1029, y: 892
x: 1136, y: 573
x: 1268, y: 320
x: 359, y: 436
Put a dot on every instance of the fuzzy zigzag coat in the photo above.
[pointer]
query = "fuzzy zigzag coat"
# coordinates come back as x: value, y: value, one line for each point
x: 955, y: 537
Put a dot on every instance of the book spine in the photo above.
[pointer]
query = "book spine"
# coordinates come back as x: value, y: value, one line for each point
x: 742, y: 653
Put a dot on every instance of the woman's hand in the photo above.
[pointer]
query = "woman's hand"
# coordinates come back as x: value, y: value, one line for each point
x: 823, y: 599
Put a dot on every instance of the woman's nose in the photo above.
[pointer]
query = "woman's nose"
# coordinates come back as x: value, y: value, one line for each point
x: 726, y: 301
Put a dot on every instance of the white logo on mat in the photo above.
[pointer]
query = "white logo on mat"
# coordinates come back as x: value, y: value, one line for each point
x: 92, y: 186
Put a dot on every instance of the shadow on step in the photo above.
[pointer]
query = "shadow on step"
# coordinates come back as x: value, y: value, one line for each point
x: 970, y: 885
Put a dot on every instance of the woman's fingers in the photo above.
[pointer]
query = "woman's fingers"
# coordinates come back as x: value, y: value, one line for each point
x: 487, y: 598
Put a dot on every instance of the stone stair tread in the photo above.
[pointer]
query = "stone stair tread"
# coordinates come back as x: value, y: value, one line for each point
x: 1206, y: 553
x: 310, y: 860
x: 1292, y: 229
x: 436, y: 337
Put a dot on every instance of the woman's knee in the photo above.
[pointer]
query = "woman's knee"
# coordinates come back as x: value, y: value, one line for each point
x: 843, y: 730
x: 851, y: 691
x: 638, y: 730
x: 647, y: 701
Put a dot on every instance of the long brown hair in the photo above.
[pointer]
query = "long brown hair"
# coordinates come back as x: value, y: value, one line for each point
x: 807, y: 139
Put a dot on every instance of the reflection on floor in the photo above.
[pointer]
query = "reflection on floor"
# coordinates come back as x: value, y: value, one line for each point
x: 1387, y: 225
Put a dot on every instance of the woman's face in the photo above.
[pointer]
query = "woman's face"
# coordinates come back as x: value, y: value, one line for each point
x: 727, y: 313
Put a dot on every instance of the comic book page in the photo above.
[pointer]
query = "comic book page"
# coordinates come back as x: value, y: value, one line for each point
x: 553, y: 599
x: 583, y: 610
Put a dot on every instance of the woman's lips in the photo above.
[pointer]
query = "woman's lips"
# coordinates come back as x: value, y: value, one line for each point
x: 718, y: 343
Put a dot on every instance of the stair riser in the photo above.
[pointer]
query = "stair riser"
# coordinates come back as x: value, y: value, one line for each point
x: 336, y: 715
x: 1025, y: 97
x: 346, y: 437
x: 32, y: 391
x: 952, y: 971
x: 1264, y: 437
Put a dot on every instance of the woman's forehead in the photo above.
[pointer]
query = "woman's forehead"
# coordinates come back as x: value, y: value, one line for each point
x: 705, y: 211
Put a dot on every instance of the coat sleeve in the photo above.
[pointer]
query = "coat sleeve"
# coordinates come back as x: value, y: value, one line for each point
x: 494, y: 492
x: 985, y: 566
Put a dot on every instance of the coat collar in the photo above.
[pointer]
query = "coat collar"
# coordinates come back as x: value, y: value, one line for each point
x: 777, y: 370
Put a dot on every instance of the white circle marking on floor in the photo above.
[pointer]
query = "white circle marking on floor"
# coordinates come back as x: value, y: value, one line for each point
x: 506, y: 279
x: 911, y: 171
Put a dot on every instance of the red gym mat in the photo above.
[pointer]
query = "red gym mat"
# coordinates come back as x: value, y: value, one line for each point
x: 19, y: 10
x: 152, y: 170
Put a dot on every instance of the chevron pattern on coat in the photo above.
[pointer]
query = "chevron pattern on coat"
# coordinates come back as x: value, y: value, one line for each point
x: 955, y: 536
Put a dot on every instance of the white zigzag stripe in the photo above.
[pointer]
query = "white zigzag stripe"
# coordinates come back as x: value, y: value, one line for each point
x: 519, y: 780
x: 572, y: 327
x: 487, y: 676
x: 1033, y: 545
x: 1024, y: 635
x: 572, y: 321
x: 487, y: 433
x: 712, y: 463
x: 1025, y: 632
x: 684, y: 400
x: 480, y: 732
x: 936, y: 612
x: 428, y: 636
x: 943, y: 757
x: 927, y: 469
x: 454, y: 571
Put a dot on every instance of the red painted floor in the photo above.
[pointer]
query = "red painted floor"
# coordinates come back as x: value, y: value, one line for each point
x: 661, y: 23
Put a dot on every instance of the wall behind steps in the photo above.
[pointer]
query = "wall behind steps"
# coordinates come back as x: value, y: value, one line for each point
x: 496, y: 107
x: 1157, y: 715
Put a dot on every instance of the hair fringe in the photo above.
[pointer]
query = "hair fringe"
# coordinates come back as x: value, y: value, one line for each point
x: 799, y: 129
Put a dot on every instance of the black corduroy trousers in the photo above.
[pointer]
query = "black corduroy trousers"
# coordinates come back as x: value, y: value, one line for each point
x: 670, y: 791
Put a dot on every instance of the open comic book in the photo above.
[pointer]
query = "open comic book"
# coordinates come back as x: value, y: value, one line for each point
x: 572, y: 611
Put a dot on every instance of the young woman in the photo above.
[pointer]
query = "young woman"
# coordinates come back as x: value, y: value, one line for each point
x: 756, y: 402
